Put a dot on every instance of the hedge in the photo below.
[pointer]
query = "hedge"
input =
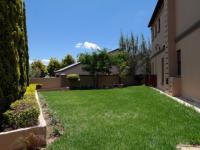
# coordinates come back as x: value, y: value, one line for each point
x: 73, y: 77
x: 23, y: 112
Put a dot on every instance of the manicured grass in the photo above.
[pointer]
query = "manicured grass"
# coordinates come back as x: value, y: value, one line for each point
x: 136, y: 118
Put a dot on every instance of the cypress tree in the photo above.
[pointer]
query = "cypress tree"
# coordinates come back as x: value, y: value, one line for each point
x: 13, y: 54
x: 26, y: 44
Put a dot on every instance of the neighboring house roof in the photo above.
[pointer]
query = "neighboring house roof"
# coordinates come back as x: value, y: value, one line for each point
x: 114, y: 51
x: 156, y: 11
x: 68, y: 67
x: 78, y: 63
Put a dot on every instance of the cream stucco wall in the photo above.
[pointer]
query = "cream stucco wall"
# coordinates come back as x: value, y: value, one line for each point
x: 159, y: 40
x: 177, y: 16
x: 190, y: 51
x: 158, y: 44
x: 187, y: 13
x: 158, y: 70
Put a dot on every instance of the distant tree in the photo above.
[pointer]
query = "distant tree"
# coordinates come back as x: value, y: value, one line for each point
x: 68, y: 60
x: 36, y: 67
x: 53, y: 65
x: 120, y: 60
x: 130, y: 46
x: 138, y: 54
x: 144, y: 56
x: 96, y: 62
x: 34, y: 73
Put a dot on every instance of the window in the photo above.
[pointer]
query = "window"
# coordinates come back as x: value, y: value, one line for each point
x: 179, y: 63
x: 163, y: 72
x: 152, y: 68
x: 158, y: 26
x: 155, y: 31
x: 152, y: 33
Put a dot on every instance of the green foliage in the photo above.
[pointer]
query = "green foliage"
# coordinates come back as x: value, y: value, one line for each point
x: 68, y: 60
x: 99, y: 61
x: 13, y: 52
x: 23, y: 112
x: 56, y: 132
x: 38, y: 69
x: 73, y: 77
x: 53, y: 65
x: 137, y: 53
x: 120, y: 60
x: 73, y: 81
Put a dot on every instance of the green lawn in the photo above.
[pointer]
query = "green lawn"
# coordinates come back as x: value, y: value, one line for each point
x: 135, y: 118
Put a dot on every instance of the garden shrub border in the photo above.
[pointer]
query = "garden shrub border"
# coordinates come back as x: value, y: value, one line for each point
x: 26, y: 138
x: 24, y: 112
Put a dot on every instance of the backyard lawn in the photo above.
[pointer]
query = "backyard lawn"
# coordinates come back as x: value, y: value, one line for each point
x: 119, y: 119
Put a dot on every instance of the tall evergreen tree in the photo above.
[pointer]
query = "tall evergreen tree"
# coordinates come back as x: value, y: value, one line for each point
x: 53, y: 65
x: 13, y: 55
x: 38, y: 66
x: 26, y: 43
x: 68, y: 60
x: 138, y: 53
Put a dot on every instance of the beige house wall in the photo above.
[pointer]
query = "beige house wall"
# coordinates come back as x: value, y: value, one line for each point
x: 190, y: 51
x: 187, y: 13
x: 158, y: 71
x: 180, y: 21
x: 160, y: 47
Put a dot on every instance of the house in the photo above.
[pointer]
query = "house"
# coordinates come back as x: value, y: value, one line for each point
x: 175, y: 59
x: 76, y: 68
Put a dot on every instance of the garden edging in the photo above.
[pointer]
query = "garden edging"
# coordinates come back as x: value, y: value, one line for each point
x: 178, y: 100
x: 24, y: 137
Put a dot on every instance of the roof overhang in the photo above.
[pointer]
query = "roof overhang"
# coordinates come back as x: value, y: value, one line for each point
x: 68, y: 67
x: 156, y: 11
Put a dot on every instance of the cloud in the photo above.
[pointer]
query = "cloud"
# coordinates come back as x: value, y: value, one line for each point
x: 79, y: 45
x: 44, y: 61
x: 87, y: 45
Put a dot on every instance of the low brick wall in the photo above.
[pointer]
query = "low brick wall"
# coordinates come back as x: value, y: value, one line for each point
x: 48, y: 83
x: 18, y: 139
x: 86, y: 81
x: 108, y: 81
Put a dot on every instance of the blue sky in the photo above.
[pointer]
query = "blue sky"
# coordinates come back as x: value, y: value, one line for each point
x: 59, y: 27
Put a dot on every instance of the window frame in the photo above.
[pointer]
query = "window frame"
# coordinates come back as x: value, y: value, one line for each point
x: 179, y: 63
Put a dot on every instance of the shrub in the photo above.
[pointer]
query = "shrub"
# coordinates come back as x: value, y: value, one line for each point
x: 73, y: 81
x: 73, y: 77
x: 38, y: 86
x: 56, y: 132
x: 23, y: 112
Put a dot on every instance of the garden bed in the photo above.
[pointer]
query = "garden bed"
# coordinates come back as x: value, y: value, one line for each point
x: 26, y: 138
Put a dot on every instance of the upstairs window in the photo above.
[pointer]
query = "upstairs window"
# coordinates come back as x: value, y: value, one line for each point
x: 152, y: 33
x: 158, y: 26
x: 155, y: 31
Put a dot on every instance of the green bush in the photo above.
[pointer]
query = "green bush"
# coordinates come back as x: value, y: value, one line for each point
x: 74, y: 81
x: 23, y: 112
x: 73, y: 77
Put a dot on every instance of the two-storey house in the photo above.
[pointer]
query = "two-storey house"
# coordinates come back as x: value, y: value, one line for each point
x: 175, y: 59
